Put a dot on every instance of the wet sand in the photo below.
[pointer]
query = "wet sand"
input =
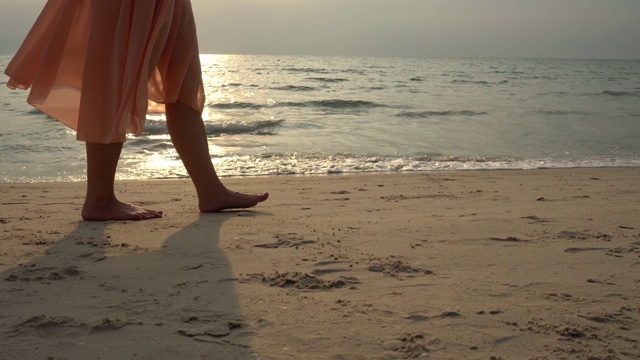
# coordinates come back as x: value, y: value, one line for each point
x: 540, y: 264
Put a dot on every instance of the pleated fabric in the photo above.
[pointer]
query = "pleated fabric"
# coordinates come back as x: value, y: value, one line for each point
x: 98, y: 66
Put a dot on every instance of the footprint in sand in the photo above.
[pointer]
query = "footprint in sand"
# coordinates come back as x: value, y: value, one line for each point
x: 330, y: 267
x: 53, y: 326
x: 409, y: 346
x: 286, y: 241
x: 583, y: 249
x: 33, y: 273
x: 210, y: 332
x: 302, y: 281
x: 398, y: 269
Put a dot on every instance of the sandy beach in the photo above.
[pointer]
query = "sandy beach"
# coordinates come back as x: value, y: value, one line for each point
x: 537, y: 264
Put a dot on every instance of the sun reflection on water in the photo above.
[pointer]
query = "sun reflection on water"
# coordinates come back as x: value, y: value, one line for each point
x: 216, y: 79
x: 219, y: 75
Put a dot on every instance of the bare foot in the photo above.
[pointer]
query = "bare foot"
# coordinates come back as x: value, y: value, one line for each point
x: 231, y: 200
x: 117, y: 210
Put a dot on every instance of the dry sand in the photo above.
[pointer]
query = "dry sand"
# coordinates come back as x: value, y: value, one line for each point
x: 540, y: 264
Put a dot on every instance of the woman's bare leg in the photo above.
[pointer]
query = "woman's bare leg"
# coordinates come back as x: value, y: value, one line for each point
x: 101, y: 203
x: 189, y: 137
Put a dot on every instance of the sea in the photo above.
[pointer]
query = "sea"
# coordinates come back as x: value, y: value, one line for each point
x: 313, y: 115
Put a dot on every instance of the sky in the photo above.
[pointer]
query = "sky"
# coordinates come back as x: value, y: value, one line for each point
x: 607, y: 29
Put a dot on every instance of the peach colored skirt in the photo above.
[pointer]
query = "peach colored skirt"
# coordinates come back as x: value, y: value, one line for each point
x: 98, y: 66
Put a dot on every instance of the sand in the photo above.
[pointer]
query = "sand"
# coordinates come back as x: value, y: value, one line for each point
x: 540, y: 264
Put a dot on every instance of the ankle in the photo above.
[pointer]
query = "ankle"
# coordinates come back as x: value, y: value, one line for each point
x: 210, y: 191
x: 99, y: 201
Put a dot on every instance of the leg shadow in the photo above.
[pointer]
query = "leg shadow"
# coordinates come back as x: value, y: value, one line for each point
x: 99, y: 293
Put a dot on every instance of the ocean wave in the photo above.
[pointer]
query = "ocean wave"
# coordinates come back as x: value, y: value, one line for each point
x: 235, y: 105
x: 479, y: 82
x: 241, y: 127
x: 328, y: 80
x: 16, y: 149
x: 144, y: 145
x: 546, y: 77
x: 239, y: 85
x: 426, y: 114
x: 564, y: 112
x: 558, y: 93
x: 324, y: 164
x: 619, y: 93
x: 355, y: 71
x: 331, y: 103
x: 32, y: 148
x: 334, y: 104
x: 214, y: 128
x: 33, y: 112
x: 308, y: 70
x: 294, y: 88
x: 475, y: 82
x: 19, y: 109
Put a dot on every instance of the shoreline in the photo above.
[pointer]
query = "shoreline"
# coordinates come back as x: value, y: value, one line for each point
x: 363, y: 173
x: 539, y: 263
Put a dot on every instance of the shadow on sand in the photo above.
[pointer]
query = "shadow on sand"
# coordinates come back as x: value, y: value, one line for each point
x: 100, y: 293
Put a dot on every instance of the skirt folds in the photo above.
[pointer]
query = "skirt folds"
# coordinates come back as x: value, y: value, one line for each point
x: 98, y: 66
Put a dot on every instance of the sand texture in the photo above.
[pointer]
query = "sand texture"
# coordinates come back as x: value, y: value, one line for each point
x: 541, y: 264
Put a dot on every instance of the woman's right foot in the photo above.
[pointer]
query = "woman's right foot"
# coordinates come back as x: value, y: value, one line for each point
x: 117, y: 210
x: 227, y: 199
